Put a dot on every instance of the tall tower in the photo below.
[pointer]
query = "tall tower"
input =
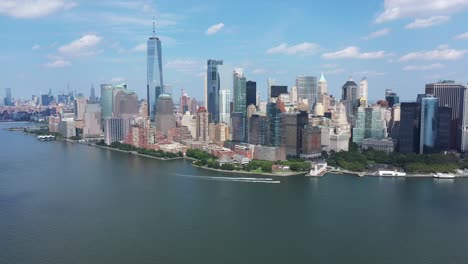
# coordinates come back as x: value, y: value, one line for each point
x: 307, y: 89
x: 224, y: 106
x: 107, y: 99
x: 350, y: 99
x: 239, y: 90
x: 213, y: 84
x: 154, y: 73
x: 92, y: 98
x: 363, y: 89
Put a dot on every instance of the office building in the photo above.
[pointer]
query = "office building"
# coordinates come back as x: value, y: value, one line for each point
x: 8, y: 100
x: 364, y: 90
x: 251, y: 93
x: 311, y: 141
x: 80, y: 107
x: 276, y: 90
x: 239, y: 91
x: 386, y: 145
x: 125, y: 103
x: 270, y: 83
x: 428, y: 125
x: 224, y: 106
x: 202, y: 121
x: 292, y: 125
x: 258, y: 128
x: 154, y: 75
x: 307, y: 90
x: 350, y: 99
x: 164, y: 119
x: 92, y: 121
x: 391, y: 97
x: 238, y: 127
x: 213, y: 85
x: 116, y: 129
x: 274, y: 118
x: 107, y: 98
x: 369, y: 124
x: 443, y: 128
x: 408, y: 141
x: 92, y: 97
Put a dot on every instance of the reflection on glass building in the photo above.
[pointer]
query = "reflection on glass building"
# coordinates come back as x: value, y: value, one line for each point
x: 213, y: 84
x: 274, y: 118
x: 429, y: 118
x: 154, y: 73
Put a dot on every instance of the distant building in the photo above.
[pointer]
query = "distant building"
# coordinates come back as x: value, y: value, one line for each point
x: 258, y: 128
x: 125, y: 103
x: 408, y: 142
x: 307, y: 89
x: 224, y: 107
x: 311, y: 141
x: 238, y: 125
x: 275, y: 119
x: 80, y: 107
x: 239, y: 91
x: 350, y: 99
x: 385, y: 145
x: 364, y: 90
x: 67, y: 127
x: 8, y: 99
x: 269, y: 153
x: 165, y: 119
x: 107, y: 99
x: 202, y: 125
x: 429, y: 126
x: 92, y: 121
x: 369, y: 124
x: 292, y: 125
x: 213, y: 85
x: 116, y: 129
x: 251, y: 93
x: 276, y: 90
x: 443, y: 128
x: 391, y: 97
x: 154, y: 75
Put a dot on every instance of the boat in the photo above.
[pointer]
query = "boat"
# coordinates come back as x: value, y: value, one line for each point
x: 391, y: 173
x: 318, y: 170
x: 46, y: 138
x: 444, y: 176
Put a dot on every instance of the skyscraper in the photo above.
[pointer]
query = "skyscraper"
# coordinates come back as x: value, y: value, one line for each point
x: 80, y: 107
x: 391, y: 97
x: 428, y: 127
x: 251, y: 93
x: 8, y: 100
x: 202, y: 125
x: 213, y: 85
x: 270, y: 82
x: 239, y: 89
x: 92, y: 97
x: 408, y: 140
x: 363, y: 89
x: 125, y: 103
x: 452, y: 95
x: 307, y: 89
x: 274, y: 119
x: 154, y: 76
x: 276, y: 90
x: 369, y: 124
x: 107, y: 99
x: 292, y: 126
x: 350, y: 99
x: 165, y: 119
x: 224, y: 106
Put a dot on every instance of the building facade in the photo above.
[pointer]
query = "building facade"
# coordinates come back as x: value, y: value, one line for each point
x: 213, y: 85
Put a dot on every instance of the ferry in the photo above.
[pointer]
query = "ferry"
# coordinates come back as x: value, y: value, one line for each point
x: 46, y: 138
x: 391, y: 173
x: 444, y: 176
x: 318, y: 169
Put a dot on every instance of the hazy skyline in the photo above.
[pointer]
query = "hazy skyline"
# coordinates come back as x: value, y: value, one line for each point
x: 399, y: 45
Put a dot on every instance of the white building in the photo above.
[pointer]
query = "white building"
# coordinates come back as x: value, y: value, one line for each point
x: 224, y: 106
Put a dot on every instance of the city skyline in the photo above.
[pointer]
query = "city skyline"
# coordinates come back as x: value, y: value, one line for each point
x: 112, y: 49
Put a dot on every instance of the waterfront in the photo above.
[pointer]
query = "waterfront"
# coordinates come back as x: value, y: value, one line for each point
x: 69, y: 203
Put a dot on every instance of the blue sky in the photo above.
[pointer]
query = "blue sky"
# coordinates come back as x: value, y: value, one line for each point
x: 396, y: 44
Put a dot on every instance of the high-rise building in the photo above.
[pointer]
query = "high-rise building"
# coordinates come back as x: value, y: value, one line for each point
x: 292, y: 126
x: 350, y: 99
x: 92, y: 97
x: 155, y: 84
x: 239, y: 90
x: 428, y: 126
x: 463, y: 122
x: 238, y: 126
x: 165, y: 119
x: 364, y: 89
x: 251, y: 93
x: 307, y: 89
x: 8, y: 100
x: 293, y: 95
x: 311, y: 141
x: 391, y: 97
x: 274, y: 118
x: 409, y: 134
x: 46, y: 99
x: 322, y: 86
x: 92, y: 121
x: 276, y: 90
x: 107, y: 99
x: 224, y: 106
x: 80, y: 107
x: 452, y: 95
x: 443, y: 129
x: 184, y: 102
x: 270, y: 83
x: 213, y: 85
x: 258, y: 127
x: 202, y: 125
x: 369, y: 124
x: 125, y: 103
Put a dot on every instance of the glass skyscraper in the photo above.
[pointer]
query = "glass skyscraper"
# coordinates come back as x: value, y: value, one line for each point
x: 107, y: 98
x: 239, y: 89
x: 224, y: 106
x: 429, y: 118
x: 213, y: 84
x: 155, y: 82
x: 307, y: 89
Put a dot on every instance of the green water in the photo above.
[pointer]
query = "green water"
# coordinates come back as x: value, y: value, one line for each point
x: 70, y: 203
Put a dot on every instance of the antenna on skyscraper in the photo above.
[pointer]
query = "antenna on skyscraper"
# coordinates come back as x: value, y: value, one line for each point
x: 154, y: 31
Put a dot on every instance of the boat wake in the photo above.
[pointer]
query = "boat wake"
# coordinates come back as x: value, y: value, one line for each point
x: 230, y: 179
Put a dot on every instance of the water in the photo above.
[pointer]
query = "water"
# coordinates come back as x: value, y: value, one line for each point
x: 69, y: 203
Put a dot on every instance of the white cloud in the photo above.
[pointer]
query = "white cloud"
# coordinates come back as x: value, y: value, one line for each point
x: 369, y: 73
x: 427, y: 22
x: 58, y: 63
x: 429, y: 67
x: 259, y: 71
x: 397, y: 9
x: 36, y: 47
x: 185, y: 65
x: 139, y: 48
x: 334, y: 71
x: 462, y: 36
x: 117, y: 80
x: 354, y: 53
x: 33, y: 8
x: 378, y: 34
x: 442, y: 52
x: 84, y: 46
x: 214, y: 29
x: 302, y: 48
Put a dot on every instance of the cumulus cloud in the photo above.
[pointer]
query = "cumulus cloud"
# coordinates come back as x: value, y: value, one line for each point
x: 302, y: 48
x: 139, y: 48
x: 378, y: 34
x: 36, y: 47
x: 334, y: 71
x: 185, y: 65
x: 214, y: 29
x: 442, y: 52
x: 427, y: 22
x: 259, y: 71
x: 84, y: 46
x: 33, y: 8
x: 354, y: 53
x: 462, y: 36
x: 117, y: 80
x: 397, y: 9
x: 429, y: 67
x: 58, y: 63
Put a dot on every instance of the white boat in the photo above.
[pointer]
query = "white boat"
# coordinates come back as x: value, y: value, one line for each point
x: 391, y: 173
x: 444, y: 176
x: 318, y: 169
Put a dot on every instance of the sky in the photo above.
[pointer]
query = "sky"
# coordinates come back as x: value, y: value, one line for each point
x: 397, y: 44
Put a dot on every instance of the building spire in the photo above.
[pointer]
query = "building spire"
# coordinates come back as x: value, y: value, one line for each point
x: 322, y: 78
x: 154, y: 31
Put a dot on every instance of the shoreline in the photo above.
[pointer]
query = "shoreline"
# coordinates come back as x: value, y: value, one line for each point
x: 250, y: 173
x: 367, y: 174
